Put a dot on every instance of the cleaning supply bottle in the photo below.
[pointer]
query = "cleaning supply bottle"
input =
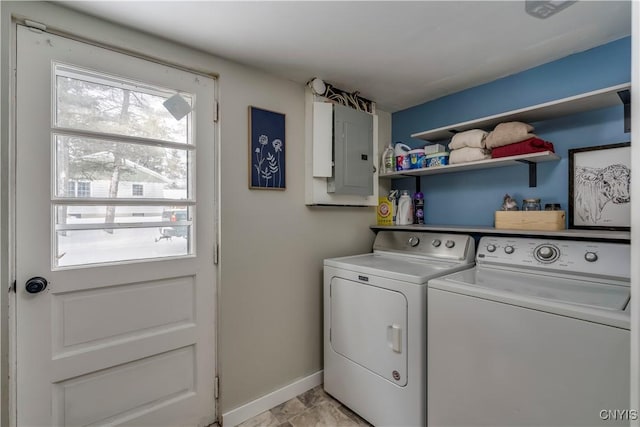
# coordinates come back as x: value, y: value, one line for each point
x: 388, y: 160
x: 418, y: 208
x: 402, y: 156
x: 393, y: 197
x: 405, y: 209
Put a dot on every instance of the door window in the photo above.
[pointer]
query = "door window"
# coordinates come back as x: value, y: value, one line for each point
x: 114, y: 140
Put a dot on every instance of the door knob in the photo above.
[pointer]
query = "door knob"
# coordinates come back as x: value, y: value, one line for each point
x: 36, y: 284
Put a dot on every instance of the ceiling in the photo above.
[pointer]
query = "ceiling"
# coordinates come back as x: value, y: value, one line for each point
x: 396, y: 53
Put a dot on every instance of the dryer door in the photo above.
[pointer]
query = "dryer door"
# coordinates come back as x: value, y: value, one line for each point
x: 369, y: 327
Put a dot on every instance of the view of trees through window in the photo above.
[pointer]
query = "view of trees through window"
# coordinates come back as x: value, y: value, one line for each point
x: 115, y: 139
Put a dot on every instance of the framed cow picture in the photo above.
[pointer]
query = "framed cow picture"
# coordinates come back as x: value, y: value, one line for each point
x: 599, y: 179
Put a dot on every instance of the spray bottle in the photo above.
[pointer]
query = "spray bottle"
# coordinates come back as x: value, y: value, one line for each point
x: 393, y: 198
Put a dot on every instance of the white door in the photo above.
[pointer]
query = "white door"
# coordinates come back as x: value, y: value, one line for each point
x: 112, y: 213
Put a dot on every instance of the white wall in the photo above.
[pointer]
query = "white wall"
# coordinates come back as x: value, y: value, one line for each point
x: 4, y: 236
x: 272, y: 251
x: 272, y: 245
x: 635, y: 214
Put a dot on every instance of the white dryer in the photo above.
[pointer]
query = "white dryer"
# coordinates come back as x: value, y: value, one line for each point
x: 536, y: 334
x: 375, y: 331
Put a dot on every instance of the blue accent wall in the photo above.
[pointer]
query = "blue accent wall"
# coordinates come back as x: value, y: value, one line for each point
x: 470, y: 198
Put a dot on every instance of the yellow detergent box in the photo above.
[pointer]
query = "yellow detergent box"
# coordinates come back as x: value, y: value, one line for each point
x: 385, y: 211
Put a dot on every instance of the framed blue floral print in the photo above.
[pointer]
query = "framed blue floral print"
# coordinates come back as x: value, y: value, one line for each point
x: 267, y: 158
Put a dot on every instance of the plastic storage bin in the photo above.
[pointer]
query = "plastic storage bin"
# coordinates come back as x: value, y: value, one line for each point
x: 437, y: 159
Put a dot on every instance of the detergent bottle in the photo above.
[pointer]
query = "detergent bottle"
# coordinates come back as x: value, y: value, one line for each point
x: 388, y: 161
x: 418, y: 208
x: 405, y: 209
x: 402, y: 156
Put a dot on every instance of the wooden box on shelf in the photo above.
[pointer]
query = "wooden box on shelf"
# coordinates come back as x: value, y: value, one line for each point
x: 530, y: 220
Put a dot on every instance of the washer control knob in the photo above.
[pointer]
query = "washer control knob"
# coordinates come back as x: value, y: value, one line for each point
x: 509, y: 250
x: 450, y: 244
x: 436, y: 243
x: 413, y: 241
x: 591, y: 257
x: 545, y: 252
x: 491, y: 248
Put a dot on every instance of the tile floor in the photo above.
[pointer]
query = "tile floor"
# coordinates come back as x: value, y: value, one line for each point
x: 314, y: 408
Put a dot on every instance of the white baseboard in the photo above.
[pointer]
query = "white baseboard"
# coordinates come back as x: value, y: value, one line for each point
x: 266, y: 402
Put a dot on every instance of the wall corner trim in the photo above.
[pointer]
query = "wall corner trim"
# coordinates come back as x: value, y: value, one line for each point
x: 268, y: 401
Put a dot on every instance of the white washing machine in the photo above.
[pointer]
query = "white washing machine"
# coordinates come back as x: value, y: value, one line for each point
x: 536, y: 334
x: 375, y: 333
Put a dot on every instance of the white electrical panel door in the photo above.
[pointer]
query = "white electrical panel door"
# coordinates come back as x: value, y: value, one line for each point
x: 322, y: 139
x: 369, y: 327
x: 354, y: 162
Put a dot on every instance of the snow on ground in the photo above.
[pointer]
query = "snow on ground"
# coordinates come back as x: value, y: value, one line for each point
x: 81, y: 247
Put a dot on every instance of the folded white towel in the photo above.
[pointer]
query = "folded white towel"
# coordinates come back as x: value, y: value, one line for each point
x: 469, y: 138
x: 468, y: 154
x: 508, y: 133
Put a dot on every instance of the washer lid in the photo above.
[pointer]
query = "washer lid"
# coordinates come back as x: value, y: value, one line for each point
x: 552, y: 288
x: 397, y: 267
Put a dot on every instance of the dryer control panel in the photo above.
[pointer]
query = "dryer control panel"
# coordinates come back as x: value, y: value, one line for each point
x: 562, y: 256
x: 428, y: 245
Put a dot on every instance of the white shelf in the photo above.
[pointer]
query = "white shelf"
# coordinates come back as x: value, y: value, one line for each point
x: 602, y: 98
x: 544, y: 156
x: 624, y: 236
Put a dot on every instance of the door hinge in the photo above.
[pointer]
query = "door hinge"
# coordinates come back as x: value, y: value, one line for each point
x: 216, y: 107
x: 37, y: 26
x: 216, y: 388
x: 216, y: 252
x: 12, y: 288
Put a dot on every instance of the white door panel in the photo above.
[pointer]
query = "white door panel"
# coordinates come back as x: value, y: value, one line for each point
x: 149, y: 381
x: 106, y: 342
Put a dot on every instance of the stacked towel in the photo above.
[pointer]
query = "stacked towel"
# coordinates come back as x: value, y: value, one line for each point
x: 468, y: 154
x: 468, y: 146
x: 470, y: 138
x: 508, y: 133
x: 531, y: 145
x: 505, y: 140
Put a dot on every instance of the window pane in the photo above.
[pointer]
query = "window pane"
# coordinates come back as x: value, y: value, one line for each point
x: 71, y: 189
x: 87, y: 101
x: 108, y: 169
x: 84, y: 189
x: 82, y: 247
x: 80, y: 240
x: 137, y: 189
